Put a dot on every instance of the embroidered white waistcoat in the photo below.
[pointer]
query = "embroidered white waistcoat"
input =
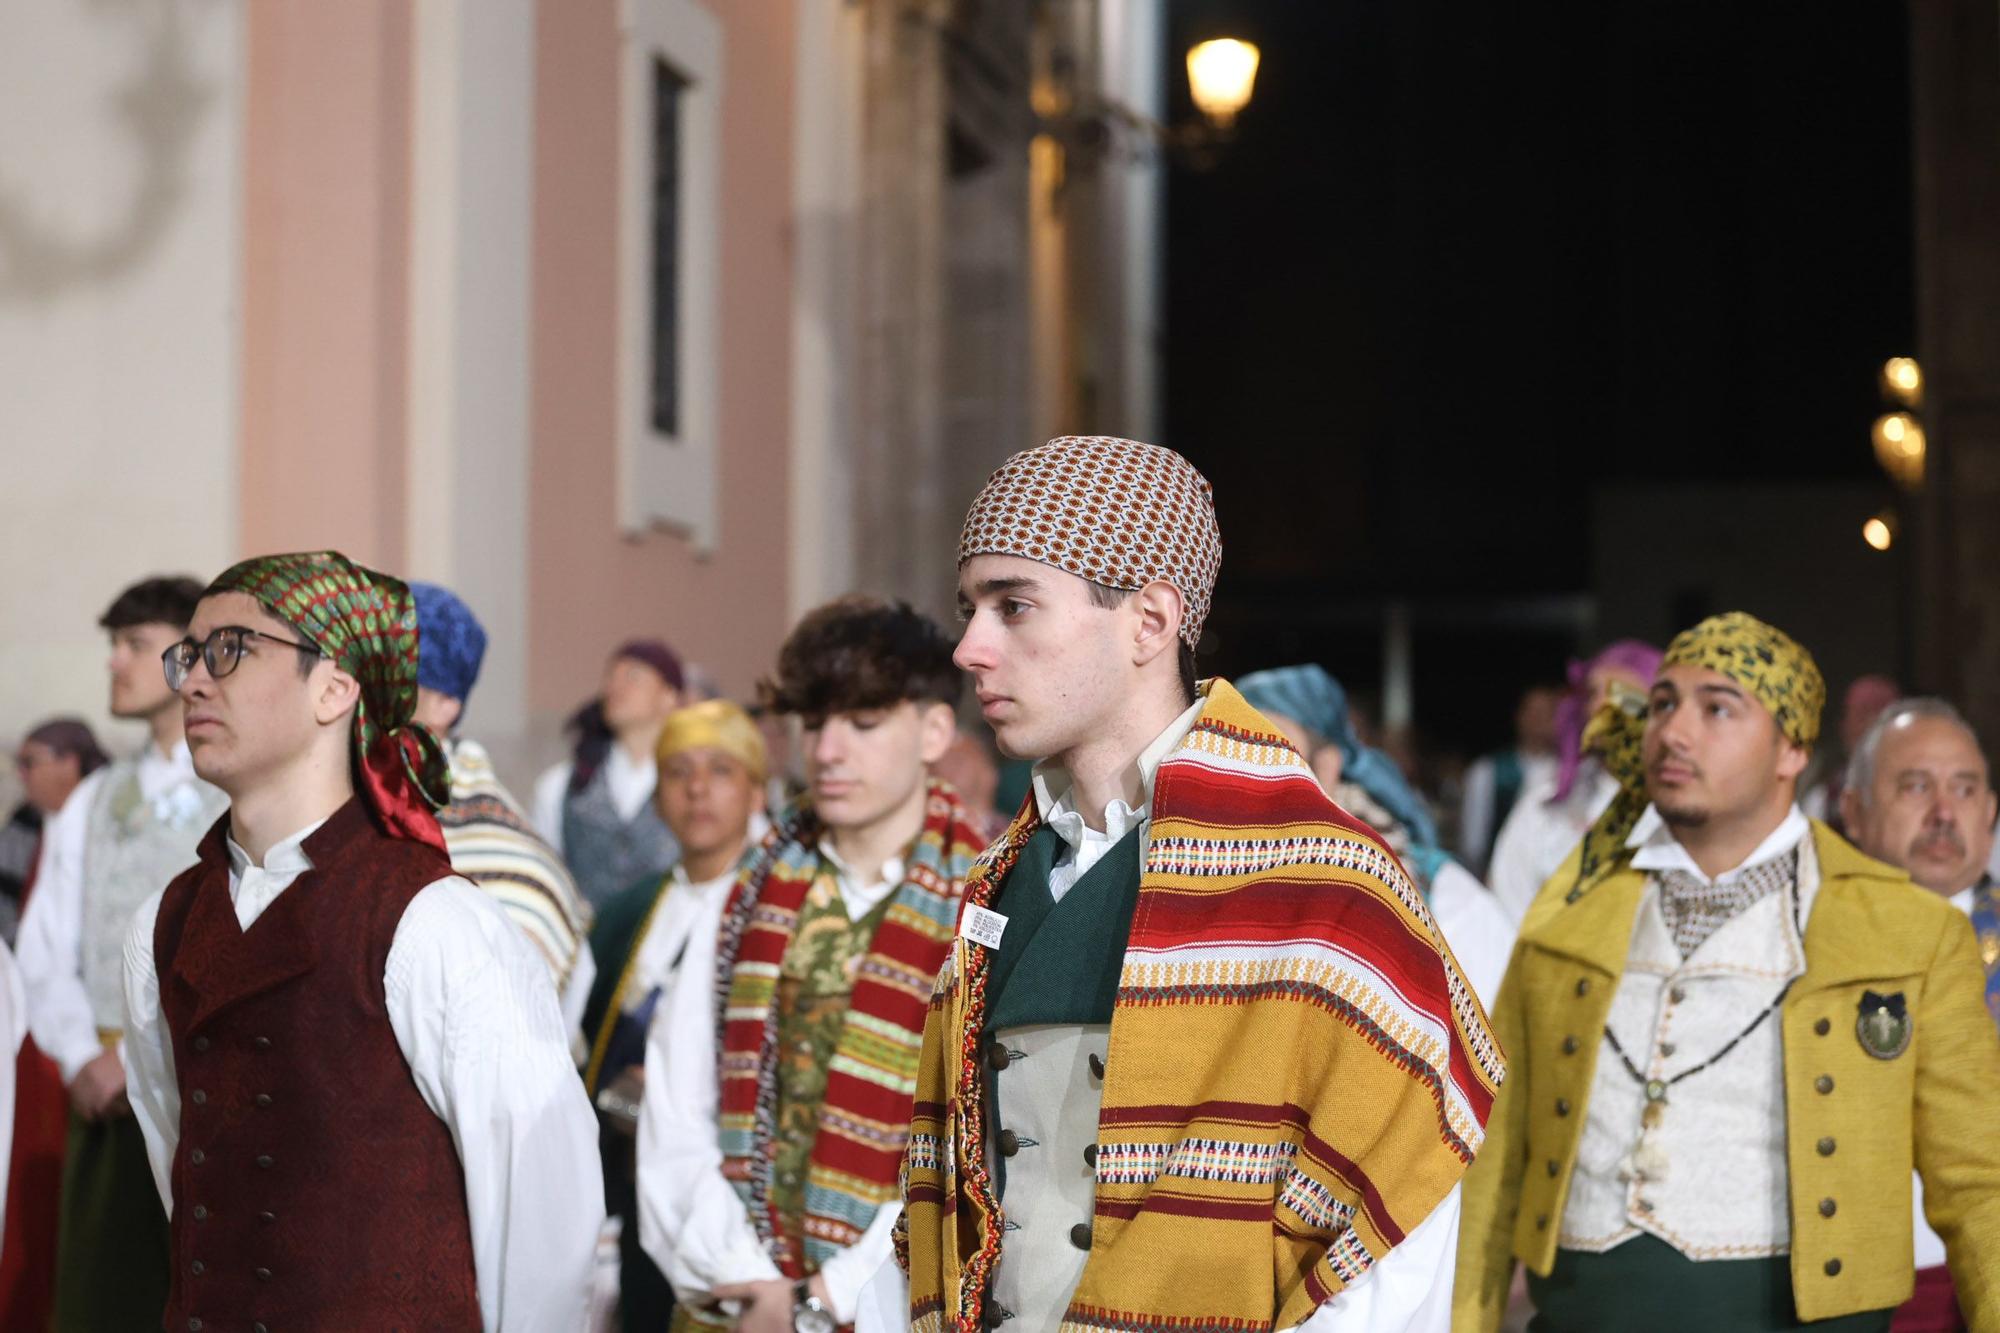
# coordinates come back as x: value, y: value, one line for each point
x: 1713, y: 1183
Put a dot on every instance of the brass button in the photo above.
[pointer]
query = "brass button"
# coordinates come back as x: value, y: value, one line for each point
x: 197, y: 1268
x: 1666, y: 1048
x: 1562, y: 1106
x: 1583, y: 985
x: 1096, y: 1066
x: 263, y: 1274
x: 1555, y: 1168
x: 264, y: 1160
x: 200, y: 1212
x: 1542, y: 1222
x: 1010, y: 1143
x: 1090, y: 1156
x: 263, y: 1099
x: 1827, y: 1207
x: 200, y: 1044
x: 1569, y: 1045
x: 1079, y: 1235
x: 198, y: 1097
x: 1833, y: 1268
x: 1822, y: 1027
x: 1826, y: 1147
x: 1677, y: 994
x: 1824, y: 1083
x: 996, y: 1054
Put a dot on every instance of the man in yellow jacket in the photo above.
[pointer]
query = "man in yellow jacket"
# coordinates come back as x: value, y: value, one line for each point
x: 1731, y: 1037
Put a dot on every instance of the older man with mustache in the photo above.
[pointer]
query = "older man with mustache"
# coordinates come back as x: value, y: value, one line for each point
x: 1918, y: 795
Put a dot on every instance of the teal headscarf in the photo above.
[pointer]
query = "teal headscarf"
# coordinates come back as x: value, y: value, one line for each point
x: 1316, y: 700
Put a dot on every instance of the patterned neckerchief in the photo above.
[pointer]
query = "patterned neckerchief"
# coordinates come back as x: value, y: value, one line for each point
x: 1986, y: 921
x: 1696, y: 908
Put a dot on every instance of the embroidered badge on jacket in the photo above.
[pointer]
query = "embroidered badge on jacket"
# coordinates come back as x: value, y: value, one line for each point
x: 1884, y: 1026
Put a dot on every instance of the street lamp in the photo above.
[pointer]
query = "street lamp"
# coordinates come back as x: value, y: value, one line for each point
x: 1221, y: 75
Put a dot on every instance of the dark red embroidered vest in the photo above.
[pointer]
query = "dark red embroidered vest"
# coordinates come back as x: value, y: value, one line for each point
x: 313, y: 1188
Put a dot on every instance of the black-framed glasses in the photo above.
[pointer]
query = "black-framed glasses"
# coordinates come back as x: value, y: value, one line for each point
x: 221, y: 651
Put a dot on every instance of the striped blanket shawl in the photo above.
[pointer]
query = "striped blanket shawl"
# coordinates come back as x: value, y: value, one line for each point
x: 1297, y: 1072
x: 865, y: 1119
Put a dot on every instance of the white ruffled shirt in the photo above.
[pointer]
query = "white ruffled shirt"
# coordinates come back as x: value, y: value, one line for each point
x: 1408, y: 1291
x: 691, y: 1220
x: 476, y: 1018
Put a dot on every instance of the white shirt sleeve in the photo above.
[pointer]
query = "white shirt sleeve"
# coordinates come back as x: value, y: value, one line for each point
x: 1475, y: 813
x: 1514, y: 873
x: 1408, y: 1290
x: 149, y: 1054
x: 51, y: 940
x: 13, y: 1027
x: 550, y: 789
x: 691, y: 1220
x: 885, y: 1302
x: 576, y: 991
x: 849, y: 1271
x: 476, y: 1018
x: 1475, y: 926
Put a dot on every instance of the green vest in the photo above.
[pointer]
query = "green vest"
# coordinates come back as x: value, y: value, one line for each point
x: 1058, y: 962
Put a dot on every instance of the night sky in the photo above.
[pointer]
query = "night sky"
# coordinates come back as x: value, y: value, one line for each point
x: 1462, y: 266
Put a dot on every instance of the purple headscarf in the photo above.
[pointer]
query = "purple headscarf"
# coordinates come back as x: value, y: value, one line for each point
x: 1641, y: 659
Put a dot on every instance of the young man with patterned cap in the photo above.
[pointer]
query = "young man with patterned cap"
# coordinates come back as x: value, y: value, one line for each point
x: 348, y: 1064
x: 712, y: 771
x: 1199, y: 1057
x: 1733, y: 1037
x: 486, y: 832
x: 767, y: 1168
x: 124, y: 832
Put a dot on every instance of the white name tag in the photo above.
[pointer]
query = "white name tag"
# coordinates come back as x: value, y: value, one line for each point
x: 982, y: 927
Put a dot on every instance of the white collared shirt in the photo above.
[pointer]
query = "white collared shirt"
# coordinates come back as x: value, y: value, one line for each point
x: 1657, y: 849
x: 1084, y: 846
x: 684, y: 904
x: 475, y: 1017
x: 50, y: 945
x: 860, y: 899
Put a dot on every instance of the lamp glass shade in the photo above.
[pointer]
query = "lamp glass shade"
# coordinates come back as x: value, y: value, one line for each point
x: 1221, y: 75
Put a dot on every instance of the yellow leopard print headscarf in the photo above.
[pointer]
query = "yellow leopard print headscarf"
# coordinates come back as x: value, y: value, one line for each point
x: 1764, y: 660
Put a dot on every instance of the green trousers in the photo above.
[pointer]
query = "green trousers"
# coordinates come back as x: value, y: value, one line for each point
x: 111, y: 1242
x: 1647, y: 1286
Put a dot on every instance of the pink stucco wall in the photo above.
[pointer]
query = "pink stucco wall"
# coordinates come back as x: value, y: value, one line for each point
x: 326, y: 263
x: 589, y: 585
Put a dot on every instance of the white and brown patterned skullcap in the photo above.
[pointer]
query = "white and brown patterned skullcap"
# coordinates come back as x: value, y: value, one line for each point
x: 1115, y: 512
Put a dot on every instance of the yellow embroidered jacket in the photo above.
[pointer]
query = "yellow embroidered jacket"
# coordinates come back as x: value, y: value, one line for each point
x: 1855, y: 1125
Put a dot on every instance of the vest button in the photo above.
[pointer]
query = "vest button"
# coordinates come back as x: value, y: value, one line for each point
x: 1090, y: 1156
x: 263, y: 1099
x: 1822, y: 1027
x: 194, y: 1326
x: 1666, y: 1048
x: 267, y: 1218
x: 1824, y: 1083
x: 200, y: 1213
x: 1569, y: 1045
x: 197, y: 1268
x: 1079, y: 1235
x: 1833, y: 1268
x: 200, y: 1044
x: 1555, y: 1168
x: 261, y: 1043
x: 197, y: 1157
x: 992, y: 1316
x: 1010, y: 1143
x: 1542, y: 1222
x: 264, y: 1160
x: 1096, y: 1066
x: 996, y: 1054
x: 1677, y: 994
x: 1826, y: 1147
x: 198, y: 1097
x: 263, y: 1274
x: 1827, y: 1207
x: 1562, y: 1106
x: 259, y: 1328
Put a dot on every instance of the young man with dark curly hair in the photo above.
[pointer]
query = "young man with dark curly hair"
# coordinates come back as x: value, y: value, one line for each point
x: 767, y: 1168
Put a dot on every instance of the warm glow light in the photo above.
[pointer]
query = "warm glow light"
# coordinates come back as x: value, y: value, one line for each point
x: 1899, y: 448
x: 1878, y: 534
x: 1221, y: 74
x: 1903, y: 381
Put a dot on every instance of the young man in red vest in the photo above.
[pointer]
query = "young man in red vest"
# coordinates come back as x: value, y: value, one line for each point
x: 767, y: 1169
x: 348, y: 1065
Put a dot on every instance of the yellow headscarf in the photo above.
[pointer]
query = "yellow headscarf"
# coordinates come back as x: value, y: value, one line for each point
x: 714, y: 724
x: 1768, y: 663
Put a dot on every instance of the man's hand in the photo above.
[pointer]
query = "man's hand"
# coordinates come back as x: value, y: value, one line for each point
x: 98, y: 1091
x: 767, y: 1306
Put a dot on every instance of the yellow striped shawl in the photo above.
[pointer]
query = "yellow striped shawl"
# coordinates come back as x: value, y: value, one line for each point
x: 1298, y: 1073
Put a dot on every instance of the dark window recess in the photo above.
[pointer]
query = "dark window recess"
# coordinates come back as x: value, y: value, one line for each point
x: 666, y: 323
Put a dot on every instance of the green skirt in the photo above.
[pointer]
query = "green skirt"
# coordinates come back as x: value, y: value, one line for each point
x: 111, y: 1242
x: 1647, y: 1286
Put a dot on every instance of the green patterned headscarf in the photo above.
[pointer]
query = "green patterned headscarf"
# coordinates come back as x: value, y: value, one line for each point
x: 367, y: 623
x: 1771, y: 667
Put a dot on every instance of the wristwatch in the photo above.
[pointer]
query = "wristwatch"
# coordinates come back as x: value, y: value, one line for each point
x: 809, y: 1313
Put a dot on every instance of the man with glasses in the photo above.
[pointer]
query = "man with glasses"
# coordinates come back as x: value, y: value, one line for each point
x: 123, y: 833
x: 347, y: 1062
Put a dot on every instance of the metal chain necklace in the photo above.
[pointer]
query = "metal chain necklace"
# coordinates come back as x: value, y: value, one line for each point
x: 1656, y: 1088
